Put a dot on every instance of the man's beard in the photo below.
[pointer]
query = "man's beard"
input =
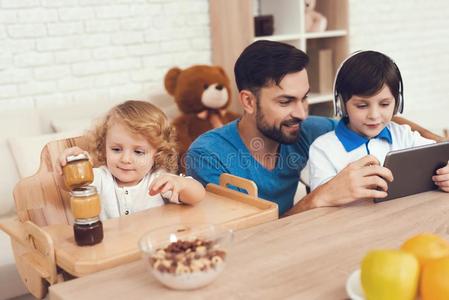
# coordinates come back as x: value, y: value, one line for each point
x: 275, y: 133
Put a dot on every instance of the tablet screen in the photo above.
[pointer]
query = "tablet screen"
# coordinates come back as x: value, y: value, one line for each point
x: 413, y: 169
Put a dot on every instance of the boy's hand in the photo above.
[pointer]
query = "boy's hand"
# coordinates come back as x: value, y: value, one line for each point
x: 441, y: 178
x: 167, y: 182
x: 362, y: 179
x: 62, y: 159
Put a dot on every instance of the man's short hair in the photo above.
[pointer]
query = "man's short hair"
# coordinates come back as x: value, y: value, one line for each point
x: 267, y: 62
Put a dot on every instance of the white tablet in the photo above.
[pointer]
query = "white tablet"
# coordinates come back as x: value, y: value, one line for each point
x: 413, y: 169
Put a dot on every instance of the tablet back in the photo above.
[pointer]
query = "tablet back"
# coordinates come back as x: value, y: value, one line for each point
x: 413, y: 169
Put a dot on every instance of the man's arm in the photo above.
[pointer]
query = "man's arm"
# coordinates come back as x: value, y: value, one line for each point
x: 359, y: 180
x: 415, y: 127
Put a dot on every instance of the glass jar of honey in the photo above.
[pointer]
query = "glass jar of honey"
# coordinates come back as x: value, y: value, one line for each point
x: 88, y: 231
x: 85, y: 202
x: 78, y: 171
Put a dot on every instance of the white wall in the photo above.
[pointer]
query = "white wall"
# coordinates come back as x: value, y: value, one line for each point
x: 415, y: 33
x: 60, y: 51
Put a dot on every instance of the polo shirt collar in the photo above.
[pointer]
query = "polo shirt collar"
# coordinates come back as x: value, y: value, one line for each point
x: 352, y: 140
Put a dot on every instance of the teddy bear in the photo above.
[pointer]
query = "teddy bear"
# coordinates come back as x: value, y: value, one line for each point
x: 315, y: 22
x: 202, y: 94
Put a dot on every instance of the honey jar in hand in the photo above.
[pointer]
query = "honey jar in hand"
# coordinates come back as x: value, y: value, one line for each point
x: 78, y: 171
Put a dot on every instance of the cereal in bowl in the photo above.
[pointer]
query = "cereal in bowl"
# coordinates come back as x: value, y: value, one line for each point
x: 187, y: 264
x: 187, y: 257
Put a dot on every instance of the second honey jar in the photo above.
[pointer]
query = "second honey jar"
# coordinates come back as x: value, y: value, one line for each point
x: 85, y: 202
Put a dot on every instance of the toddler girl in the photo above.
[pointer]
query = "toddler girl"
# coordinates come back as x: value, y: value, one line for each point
x: 135, y: 146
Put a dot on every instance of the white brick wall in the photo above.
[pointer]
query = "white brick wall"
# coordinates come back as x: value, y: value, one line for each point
x: 416, y: 35
x: 82, y: 50
x: 70, y: 51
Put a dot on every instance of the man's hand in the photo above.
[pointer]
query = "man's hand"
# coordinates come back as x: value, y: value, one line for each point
x: 441, y: 178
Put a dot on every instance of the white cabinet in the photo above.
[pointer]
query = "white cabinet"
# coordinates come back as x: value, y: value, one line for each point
x: 232, y: 29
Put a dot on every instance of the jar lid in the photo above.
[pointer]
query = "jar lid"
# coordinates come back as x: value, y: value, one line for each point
x: 84, y: 191
x: 81, y: 156
x: 87, y: 221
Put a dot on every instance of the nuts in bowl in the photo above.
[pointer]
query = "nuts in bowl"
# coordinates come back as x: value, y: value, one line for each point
x: 186, y: 256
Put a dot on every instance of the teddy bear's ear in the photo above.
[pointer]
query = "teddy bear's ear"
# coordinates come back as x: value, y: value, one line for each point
x: 222, y: 71
x: 171, y: 79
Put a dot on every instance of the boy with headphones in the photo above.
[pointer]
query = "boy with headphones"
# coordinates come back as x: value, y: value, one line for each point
x: 368, y: 91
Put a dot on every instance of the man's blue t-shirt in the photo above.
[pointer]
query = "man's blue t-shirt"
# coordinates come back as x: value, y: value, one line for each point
x: 222, y: 151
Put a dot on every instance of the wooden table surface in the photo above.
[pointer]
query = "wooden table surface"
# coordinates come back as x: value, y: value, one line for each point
x: 305, y: 256
x: 121, y: 235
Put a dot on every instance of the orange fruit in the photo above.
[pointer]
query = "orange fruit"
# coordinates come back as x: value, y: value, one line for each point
x: 426, y: 246
x: 435, y: 280
x: 389, y: 275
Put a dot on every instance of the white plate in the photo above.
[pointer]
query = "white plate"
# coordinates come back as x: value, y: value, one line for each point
x: 353, y: 286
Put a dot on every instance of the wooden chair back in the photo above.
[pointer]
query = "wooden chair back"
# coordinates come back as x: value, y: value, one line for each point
x: 39, y: 198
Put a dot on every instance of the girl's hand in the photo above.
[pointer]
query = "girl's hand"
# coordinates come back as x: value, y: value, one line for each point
x: 167, y: 182
x: 62, y: 159
x: 441, y: 178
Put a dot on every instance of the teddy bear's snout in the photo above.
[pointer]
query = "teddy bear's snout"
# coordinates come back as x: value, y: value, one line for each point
x: 215, y: 96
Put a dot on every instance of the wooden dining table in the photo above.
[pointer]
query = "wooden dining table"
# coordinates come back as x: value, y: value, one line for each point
x: 305, y: 256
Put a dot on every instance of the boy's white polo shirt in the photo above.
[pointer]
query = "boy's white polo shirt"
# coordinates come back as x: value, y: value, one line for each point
x: 333, y: 151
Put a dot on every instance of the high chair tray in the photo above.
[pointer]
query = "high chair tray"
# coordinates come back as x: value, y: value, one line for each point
x: 221, y: 206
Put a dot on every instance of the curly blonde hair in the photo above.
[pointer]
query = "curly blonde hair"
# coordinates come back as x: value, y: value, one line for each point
x: 141, y: 118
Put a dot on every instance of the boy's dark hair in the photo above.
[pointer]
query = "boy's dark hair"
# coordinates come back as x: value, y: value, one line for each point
x: 365, y: 73
x: 264, y: 62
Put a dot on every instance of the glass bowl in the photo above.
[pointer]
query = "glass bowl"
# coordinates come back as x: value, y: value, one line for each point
x: 186, y: 256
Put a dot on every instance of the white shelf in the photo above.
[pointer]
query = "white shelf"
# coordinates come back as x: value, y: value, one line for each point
x: 325, y: 34
x: 230, y: 33
x: 320, y: 98
x: 299, y: 36
x: 280, y: 37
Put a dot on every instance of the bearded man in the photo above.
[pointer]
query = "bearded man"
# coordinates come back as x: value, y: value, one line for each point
x: 270, y: 143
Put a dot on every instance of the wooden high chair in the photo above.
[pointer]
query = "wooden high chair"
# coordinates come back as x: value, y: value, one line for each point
x: 40, y: 202
x: 42, y: 235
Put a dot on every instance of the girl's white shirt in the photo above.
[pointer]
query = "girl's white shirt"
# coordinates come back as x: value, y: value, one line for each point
x: 119, y: 201
x: 327, y: 155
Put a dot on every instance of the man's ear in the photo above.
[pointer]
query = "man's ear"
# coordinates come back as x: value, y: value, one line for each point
x: 248, y: 101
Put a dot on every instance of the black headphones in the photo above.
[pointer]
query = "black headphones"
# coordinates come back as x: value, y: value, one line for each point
x: 339, y: 106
